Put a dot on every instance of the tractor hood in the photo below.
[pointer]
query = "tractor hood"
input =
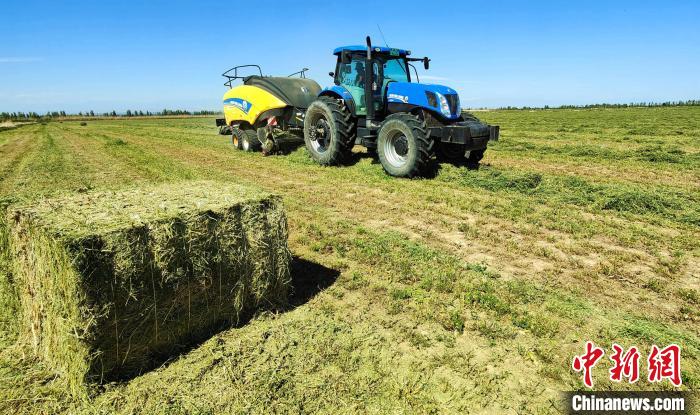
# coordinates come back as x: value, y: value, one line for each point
x: 439, y: 99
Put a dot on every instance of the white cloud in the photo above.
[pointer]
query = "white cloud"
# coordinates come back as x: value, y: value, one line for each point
x: 19, y: 60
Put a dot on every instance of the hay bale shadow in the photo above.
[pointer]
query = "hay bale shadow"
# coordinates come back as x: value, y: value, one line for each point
x: 309, y: 279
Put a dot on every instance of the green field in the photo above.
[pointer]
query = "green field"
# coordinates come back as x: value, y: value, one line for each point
x: 467, y: 292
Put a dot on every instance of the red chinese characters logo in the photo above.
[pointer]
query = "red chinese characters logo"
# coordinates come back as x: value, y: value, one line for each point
x: 665, y: 364
x: 624, y: 365
x: 662, y: 364
x: 586, y: 361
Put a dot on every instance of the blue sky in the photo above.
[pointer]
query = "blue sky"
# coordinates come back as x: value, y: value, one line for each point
x: 148, y: 55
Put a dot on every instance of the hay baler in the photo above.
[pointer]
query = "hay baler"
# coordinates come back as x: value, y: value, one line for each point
x: 374, y: 102
x: 253, y: 109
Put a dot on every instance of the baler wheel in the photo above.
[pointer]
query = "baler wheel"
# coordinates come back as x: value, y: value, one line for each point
x: 236, y: 137
x: 249, y: 140
x: 245, y: 139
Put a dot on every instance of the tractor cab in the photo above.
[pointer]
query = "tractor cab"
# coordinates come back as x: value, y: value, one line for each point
x: 387, y: 65
x: 382, y: 76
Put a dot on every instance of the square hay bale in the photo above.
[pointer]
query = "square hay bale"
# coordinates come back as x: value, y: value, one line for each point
x: 113, y: 283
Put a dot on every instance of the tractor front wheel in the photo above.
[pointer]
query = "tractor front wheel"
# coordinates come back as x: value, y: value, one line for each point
x: 328, y: 131
x: 403, y: 146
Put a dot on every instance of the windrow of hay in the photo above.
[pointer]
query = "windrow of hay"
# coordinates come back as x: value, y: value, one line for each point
x: 113, y: 283
x: 8, y: 296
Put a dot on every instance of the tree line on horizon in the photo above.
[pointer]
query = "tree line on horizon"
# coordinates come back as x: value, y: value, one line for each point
x: 28, y: 116
x: 687, y: 103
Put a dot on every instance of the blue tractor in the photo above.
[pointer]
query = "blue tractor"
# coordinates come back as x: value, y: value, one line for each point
x: 374, y: 102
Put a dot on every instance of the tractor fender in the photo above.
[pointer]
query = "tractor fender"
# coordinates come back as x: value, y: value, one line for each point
x: 338, y: 92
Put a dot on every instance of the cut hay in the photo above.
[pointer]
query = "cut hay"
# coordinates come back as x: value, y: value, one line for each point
x: 112, y: 284
x: 8, y: 296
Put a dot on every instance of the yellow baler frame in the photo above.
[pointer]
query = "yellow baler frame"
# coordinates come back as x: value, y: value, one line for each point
x: 245, y: 104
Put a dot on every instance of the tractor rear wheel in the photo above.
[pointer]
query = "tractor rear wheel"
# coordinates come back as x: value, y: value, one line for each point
x: 328, y: 131
x: 404, y: 146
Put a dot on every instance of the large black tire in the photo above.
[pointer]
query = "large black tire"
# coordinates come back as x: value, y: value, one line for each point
x: 236, y: 137
x: 249, y: 141
x: 245, y: 139
x: 329, y: 131
x: 404, y: 146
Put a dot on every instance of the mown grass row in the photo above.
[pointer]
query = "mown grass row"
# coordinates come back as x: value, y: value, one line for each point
x: 675, y: 205
x: 655, y: 153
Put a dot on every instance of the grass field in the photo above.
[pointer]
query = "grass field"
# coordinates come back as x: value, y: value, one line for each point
x: 467, y: 292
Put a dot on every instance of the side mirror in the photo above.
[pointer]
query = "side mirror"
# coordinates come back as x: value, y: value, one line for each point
x: 426, y: 63
x: 331, y: 74
x: 345, y: 57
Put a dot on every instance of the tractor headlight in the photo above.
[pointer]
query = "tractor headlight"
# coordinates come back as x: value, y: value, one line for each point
x: 444, y: 106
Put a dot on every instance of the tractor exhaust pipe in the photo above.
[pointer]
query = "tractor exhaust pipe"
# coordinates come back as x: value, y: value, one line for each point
x: 369, y: 83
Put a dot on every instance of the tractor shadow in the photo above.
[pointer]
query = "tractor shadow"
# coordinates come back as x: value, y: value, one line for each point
x: 287, y: 145
x: 357, y: 156
x: 436, y: 165
x: 433, y: 168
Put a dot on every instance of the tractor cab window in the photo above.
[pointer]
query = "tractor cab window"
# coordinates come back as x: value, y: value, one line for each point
x: 352, y: 74
x: 385, y: 69
x: 395, y: 70
x: 352, y: 77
